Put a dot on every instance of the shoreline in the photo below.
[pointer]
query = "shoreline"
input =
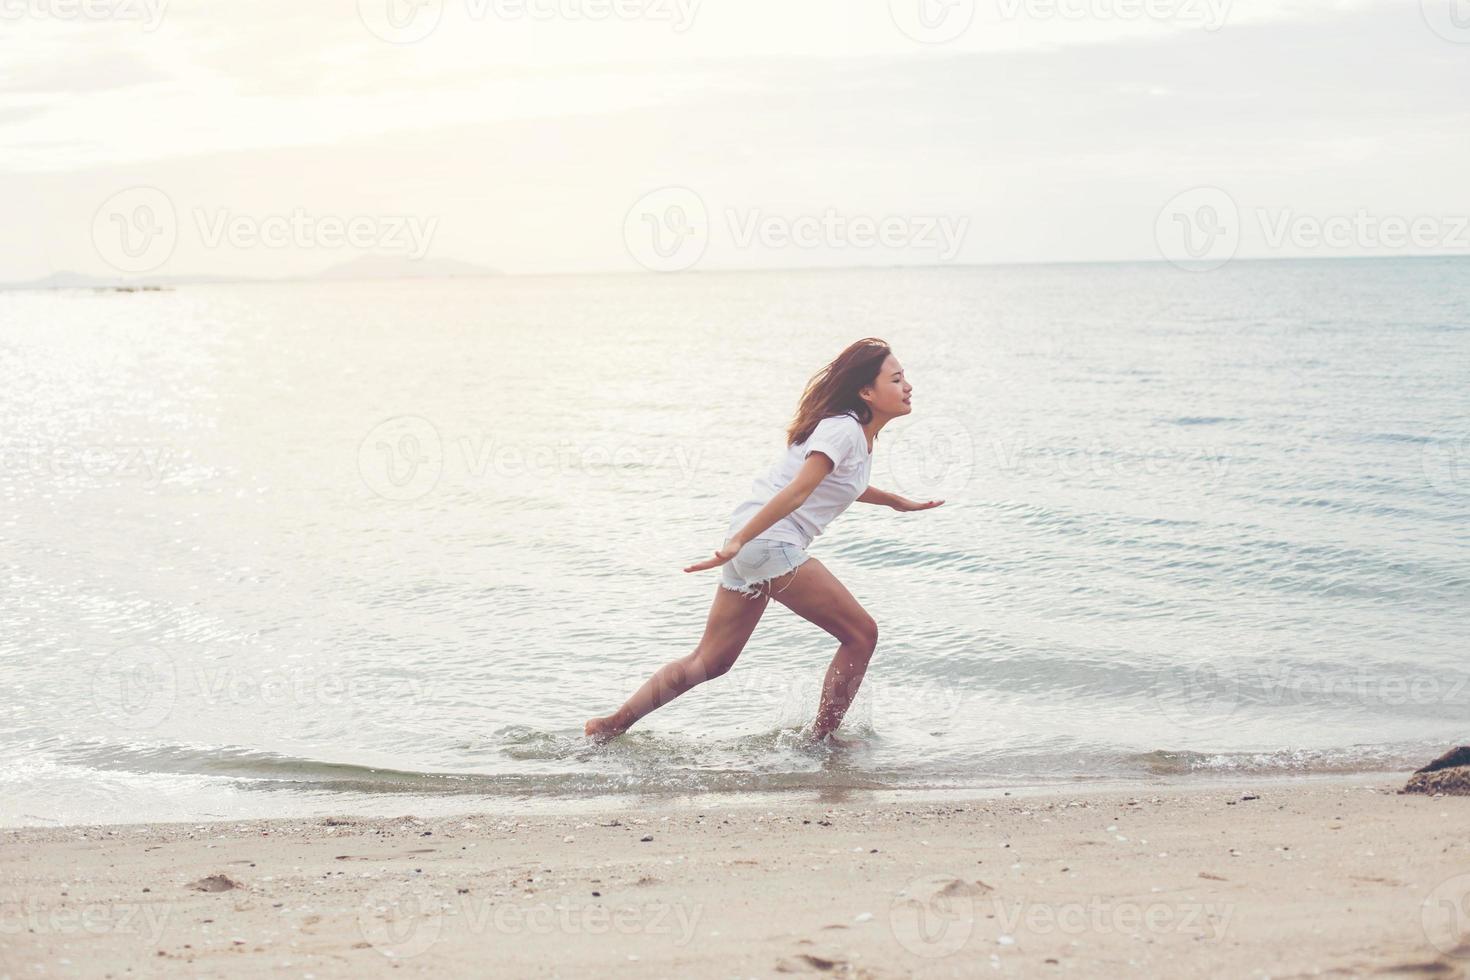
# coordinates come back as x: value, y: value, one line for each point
x: 550, y: 805
x: 446, y: 806
x: 1242, y: 876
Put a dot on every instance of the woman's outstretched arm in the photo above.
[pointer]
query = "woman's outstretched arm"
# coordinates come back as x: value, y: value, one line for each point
x: 873, y: 495
x: 786, y: 500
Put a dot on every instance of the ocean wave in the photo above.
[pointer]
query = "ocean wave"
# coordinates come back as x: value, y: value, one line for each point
x: 1294, y: 761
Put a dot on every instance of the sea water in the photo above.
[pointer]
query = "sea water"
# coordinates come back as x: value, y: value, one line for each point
x: 383, y: 547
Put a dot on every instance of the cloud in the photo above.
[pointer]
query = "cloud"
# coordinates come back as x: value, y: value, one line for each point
x: 74, y: 71
x: 1058, y: 142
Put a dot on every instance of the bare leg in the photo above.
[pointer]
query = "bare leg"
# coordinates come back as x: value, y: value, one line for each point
x: 732, y: 618
x: 814, y: 593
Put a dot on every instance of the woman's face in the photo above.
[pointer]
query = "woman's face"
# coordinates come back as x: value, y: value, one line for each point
x: 891, y: 391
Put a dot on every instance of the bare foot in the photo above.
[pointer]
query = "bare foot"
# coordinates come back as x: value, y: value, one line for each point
x: 832, y: 739
x: 603, y: 729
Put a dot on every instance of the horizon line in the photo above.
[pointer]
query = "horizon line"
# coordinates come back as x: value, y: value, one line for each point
x: 207, y: 278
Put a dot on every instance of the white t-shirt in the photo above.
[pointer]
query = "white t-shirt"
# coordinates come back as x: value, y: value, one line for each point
x: 841, y: 438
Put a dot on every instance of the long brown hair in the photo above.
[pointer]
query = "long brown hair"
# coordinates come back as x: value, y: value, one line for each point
x: 834, y: 389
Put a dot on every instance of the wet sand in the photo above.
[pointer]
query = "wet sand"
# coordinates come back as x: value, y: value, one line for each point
x: 1275, y: 877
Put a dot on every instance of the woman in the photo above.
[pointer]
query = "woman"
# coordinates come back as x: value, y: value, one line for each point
x: 829, y: 456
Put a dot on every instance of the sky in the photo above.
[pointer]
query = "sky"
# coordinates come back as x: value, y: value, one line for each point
x: 155, y: 138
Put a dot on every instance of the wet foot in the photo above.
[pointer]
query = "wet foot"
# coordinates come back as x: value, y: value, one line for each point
x: 603, y: 729
x: 832, y: 739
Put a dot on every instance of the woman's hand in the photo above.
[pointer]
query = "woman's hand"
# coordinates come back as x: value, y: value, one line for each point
x: 903, y: 504
x: 724, y: 554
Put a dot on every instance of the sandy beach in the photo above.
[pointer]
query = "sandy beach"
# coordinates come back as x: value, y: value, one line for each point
x: 1274, y: 877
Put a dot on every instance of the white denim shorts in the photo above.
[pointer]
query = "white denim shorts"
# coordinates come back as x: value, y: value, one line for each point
x: 757, y: 563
